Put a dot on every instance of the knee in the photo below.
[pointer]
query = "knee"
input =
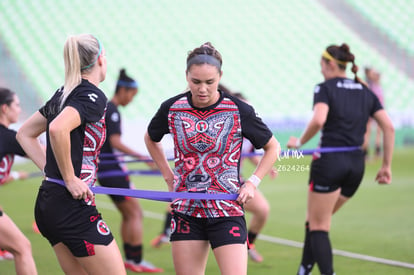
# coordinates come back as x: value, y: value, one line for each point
x: 22, y: 247
x: 131, y: 210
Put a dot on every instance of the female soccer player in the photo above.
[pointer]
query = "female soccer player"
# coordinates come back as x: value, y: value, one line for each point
x: 208, y: 127
x: 11, y: 238
x: 341, y: 108
x: 373, y: 78
x: 132, y: 217
x: 74, y: 121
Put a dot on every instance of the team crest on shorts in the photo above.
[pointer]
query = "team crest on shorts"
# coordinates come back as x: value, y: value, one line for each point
x: 103, y: 228
x: 173, y: 225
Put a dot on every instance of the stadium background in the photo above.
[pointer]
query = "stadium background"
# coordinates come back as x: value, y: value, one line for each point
x: 271, y: 51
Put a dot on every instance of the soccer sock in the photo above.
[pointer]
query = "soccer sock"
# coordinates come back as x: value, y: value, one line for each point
x: 322, y: 251
x: 133, y: 252
x: 167, y: 224
x: 308, y: 261
x: 251, y: 237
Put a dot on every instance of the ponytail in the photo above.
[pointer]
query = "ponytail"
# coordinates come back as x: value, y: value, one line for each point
x: 80, y: 54
x: 125, y: 81
x: 342, y: 55
x: 72, y: 67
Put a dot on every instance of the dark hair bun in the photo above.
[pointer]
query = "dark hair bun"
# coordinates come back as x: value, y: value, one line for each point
x: 345, y: 48
x: 122, y: 73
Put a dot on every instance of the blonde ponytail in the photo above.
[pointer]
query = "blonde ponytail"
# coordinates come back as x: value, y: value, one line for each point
x: 72, y: 67
x: 80, y: 54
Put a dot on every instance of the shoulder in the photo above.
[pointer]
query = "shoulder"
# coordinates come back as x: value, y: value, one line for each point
x: 87, y: 95
x: 89, y: 91
x: 4, y: 131
x: 172, y: 100
x: 243, y: 106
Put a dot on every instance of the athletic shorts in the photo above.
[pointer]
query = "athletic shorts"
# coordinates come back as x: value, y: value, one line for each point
x: 116, y: 182
x: 219, y: 231
x: 62, y: 219
x: 337, y: 170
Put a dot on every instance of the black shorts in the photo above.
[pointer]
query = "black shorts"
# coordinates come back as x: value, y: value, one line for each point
x: 60, y: 218
x: 219, y: 231
x: 343, y: 170
x: 115, y: 182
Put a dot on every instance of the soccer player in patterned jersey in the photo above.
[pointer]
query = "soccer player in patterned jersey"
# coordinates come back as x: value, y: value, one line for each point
x: 341, y: 109
x: 258, y: 206
x: 208, y: 127
x: 74, y: 121
x: 12, y: 240
x: 132, y: 217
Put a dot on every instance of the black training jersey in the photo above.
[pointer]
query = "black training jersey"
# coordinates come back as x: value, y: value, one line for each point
x: 350, y: 106
x: 113, y: 126
x: 9, y: 147
x: 207, y: 147
x: 86, y: 140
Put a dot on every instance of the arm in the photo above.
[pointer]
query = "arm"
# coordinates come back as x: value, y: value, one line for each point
x: 16, y: 175
x: 256, y: 159
x: 383, y: 120
x: 116, y: 142
x: 28, y: 135
x: 271, y: 153
x: 320, y: 113
x: 59, y: 134
x: 157, y: 153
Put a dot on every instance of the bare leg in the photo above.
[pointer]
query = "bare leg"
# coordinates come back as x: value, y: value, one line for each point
x: 131, y: 225
x: 190, y: 257
x: 232, y: 259
x: 13, y: 240
x: 260, y: 209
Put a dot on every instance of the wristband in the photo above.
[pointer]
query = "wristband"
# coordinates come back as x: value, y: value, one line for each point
x: 298, y: 143
x: 15, y: 175
x: 255, y: 180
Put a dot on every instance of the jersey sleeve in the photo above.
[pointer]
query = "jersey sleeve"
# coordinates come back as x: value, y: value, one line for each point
x: 253, y: 128
x: 113, y: 121
x: 158, y: 125
x: 320, y: 94
x: 90, y: 104
x: 12, y: 145
x: 51, y: 104
x: 376, y: 106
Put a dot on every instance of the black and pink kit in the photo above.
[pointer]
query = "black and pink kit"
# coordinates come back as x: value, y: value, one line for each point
x: 60, y: 218
x: 207, y: 147
x: 9, y: 147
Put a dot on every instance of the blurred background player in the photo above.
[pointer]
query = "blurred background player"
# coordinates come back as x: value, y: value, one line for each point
x: 131, y: 211
x: 13, y: 243
x: 341, y: 109
x: 373, y: 79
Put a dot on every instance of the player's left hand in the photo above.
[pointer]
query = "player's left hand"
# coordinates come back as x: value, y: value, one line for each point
x: 246, y: 192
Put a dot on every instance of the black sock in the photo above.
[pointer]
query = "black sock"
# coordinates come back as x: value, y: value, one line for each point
x: 167, y: 224
x: 133, y: 252
x: 308, y: 261
x: 251, y: 237
x: 322, y: 251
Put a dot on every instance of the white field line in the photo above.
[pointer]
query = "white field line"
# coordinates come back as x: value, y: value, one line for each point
x: 158, y: 216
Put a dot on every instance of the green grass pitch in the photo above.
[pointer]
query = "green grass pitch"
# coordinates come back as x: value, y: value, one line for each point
x: 377, y: 222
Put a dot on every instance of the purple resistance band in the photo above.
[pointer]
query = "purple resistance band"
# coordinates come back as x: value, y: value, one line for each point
x: 120, y: 173
x: 153, y: 195
x: 169, y: 196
